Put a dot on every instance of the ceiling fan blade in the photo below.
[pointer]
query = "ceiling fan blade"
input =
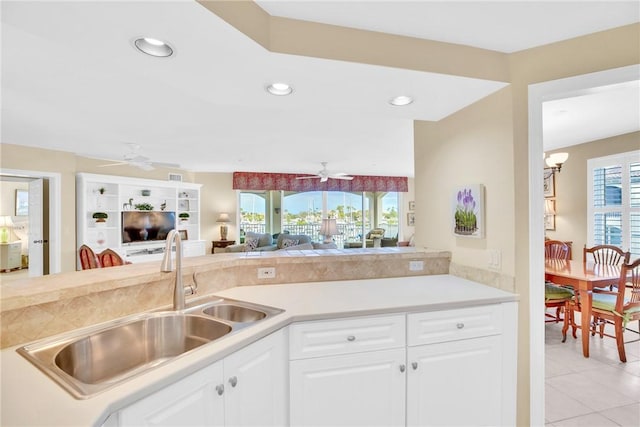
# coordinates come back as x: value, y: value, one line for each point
x: 324, y: 178
x: 144, y: 166
x: 308, y: 177
x: 165, y: 165
x: 113, y: 164
x: 346, y: 177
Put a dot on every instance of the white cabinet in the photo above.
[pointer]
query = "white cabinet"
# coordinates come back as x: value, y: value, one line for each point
x: 362, y: 389
x: 459, y: 368
x: 154, y: 206
x: 192, y: 401
x: 359, y: 380
x: 248, y: 388
x: 10, y: 256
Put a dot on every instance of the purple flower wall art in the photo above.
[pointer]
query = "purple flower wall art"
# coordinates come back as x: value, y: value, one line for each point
x: 468, y: 209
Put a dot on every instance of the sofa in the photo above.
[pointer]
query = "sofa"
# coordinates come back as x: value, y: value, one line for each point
x: 255, y: 242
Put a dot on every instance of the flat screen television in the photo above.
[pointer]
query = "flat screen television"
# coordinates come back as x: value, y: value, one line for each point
x: 146, y: 226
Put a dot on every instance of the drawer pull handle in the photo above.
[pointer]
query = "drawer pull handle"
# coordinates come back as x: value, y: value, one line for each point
x: 220, y: 389
x: 414, y: 365
x: 460, y: 325
x: 351, y: 338
x: 233, y: 381
x: 402, y: 368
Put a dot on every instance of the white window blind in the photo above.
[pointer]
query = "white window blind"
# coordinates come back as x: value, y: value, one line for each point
x: 614, y: 201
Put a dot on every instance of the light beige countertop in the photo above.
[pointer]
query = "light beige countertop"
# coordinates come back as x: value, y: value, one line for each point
x: 30, y: 398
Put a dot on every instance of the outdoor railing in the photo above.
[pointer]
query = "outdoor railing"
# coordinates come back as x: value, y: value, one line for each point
x: 348, y: 232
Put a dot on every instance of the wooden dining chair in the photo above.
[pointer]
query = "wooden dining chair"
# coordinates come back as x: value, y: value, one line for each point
x: 110, y: 258
x: 609, y: 255
x: 617, y: 307
x: 555, y: 296
x: 88, y: 258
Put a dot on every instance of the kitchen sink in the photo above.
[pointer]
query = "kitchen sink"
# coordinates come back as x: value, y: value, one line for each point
x: 89, y: 360
x: 234, y: 313
x: 143, y: 343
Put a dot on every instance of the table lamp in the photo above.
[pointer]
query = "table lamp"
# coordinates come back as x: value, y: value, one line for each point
x: 224, y: 229
x: 328, y: 229
x: 5, y: 225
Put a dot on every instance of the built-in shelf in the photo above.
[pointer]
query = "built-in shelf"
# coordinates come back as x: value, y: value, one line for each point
x: 114, y: 195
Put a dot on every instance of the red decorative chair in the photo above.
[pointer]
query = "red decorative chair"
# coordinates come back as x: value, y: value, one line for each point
x: 109, y: 258
x: 88, y: 258
x: 556, y: 296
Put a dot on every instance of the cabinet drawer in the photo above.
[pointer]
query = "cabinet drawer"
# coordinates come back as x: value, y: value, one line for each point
x: 450, y: 325
x: 344, y: 336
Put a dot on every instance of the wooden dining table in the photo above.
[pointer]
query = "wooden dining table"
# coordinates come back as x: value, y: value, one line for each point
x: 582, y: 277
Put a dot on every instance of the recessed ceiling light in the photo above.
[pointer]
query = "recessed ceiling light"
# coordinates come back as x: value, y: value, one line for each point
x: 153, y: 47
x: 279, y: 89
x: 400, y: 101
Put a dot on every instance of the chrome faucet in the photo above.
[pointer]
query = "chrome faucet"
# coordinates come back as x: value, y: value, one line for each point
x: 178, y: 293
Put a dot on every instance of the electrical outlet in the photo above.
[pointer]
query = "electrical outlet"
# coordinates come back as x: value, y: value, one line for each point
x: 416, y: 265
x: 267, y: 273
x: 494, y: 259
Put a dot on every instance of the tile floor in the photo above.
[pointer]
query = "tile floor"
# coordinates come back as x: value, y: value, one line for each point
x: 599, y: 391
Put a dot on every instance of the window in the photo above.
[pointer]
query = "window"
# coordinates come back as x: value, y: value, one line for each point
x: 252, y: 212
x: 614, y: 208
x: 356, y: 213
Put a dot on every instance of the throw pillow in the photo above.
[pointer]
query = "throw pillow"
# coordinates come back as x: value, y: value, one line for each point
x: 289, y: 242
x: 251, y: 244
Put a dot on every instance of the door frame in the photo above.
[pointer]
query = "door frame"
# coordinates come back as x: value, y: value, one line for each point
x: 55, y: 212
x: 538, y: 94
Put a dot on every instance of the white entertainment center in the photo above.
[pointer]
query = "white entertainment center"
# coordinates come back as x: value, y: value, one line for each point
x: 114, y: 195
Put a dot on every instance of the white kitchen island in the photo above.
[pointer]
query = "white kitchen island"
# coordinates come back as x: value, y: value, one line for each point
x: 484, y: 320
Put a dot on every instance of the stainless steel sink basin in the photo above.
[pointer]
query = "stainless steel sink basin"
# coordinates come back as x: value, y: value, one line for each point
x: 90, y: 360
x: 234, y: 313
x: 117, y: 351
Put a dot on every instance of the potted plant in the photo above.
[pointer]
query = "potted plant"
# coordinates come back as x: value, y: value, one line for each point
x: 100, y: 217
x: 144, y: 207
x: 102, y: 190
x: 184, y: 216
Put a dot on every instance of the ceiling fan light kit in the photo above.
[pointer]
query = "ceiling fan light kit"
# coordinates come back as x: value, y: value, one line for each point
x: 324, y: 175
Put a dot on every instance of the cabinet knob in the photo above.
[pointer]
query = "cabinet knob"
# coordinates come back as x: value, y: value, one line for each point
x: 414, y: 365
x: 233, y: 381
x: 460, y: 325
x: 402, y: 368
x: 351, y: 338
x: 220, y: 389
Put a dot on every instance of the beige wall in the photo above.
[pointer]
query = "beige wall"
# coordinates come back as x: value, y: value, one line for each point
x: 472, y: 146
x: 571, y: 187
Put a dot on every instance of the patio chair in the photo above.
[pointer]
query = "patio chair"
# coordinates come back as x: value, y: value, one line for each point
x: 612, y: 306
x: 555, y: 296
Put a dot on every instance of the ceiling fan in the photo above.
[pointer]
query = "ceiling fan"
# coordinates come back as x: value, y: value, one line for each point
x: 324, y: 174
x: 133, y: 158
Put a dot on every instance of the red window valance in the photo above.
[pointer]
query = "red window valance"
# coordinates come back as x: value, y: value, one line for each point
x: 288, y: 182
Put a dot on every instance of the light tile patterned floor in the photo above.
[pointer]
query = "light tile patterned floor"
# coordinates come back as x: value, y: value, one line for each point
x: 598, y: 391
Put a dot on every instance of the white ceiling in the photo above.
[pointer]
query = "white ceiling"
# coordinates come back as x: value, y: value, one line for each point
x: 72, y: 81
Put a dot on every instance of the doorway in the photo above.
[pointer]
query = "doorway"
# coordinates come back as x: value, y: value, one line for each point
x: 538, y: 94
x: 39, y: 229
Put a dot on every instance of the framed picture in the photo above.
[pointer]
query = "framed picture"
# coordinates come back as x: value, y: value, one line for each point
x: 468, y: 211
x: 549, y: 187
x: 22, y: 202
x: 549, y: 222
x: 549, y: 214
x: 411, y: 219
x: 183, y: 234
x: 183, y: 205
x: 412, y: 205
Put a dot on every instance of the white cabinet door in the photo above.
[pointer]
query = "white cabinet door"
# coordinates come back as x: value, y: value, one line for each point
x: 256, y: 384
x: 363, y: 389
x: 192, y: 401
x: 455, y: 383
